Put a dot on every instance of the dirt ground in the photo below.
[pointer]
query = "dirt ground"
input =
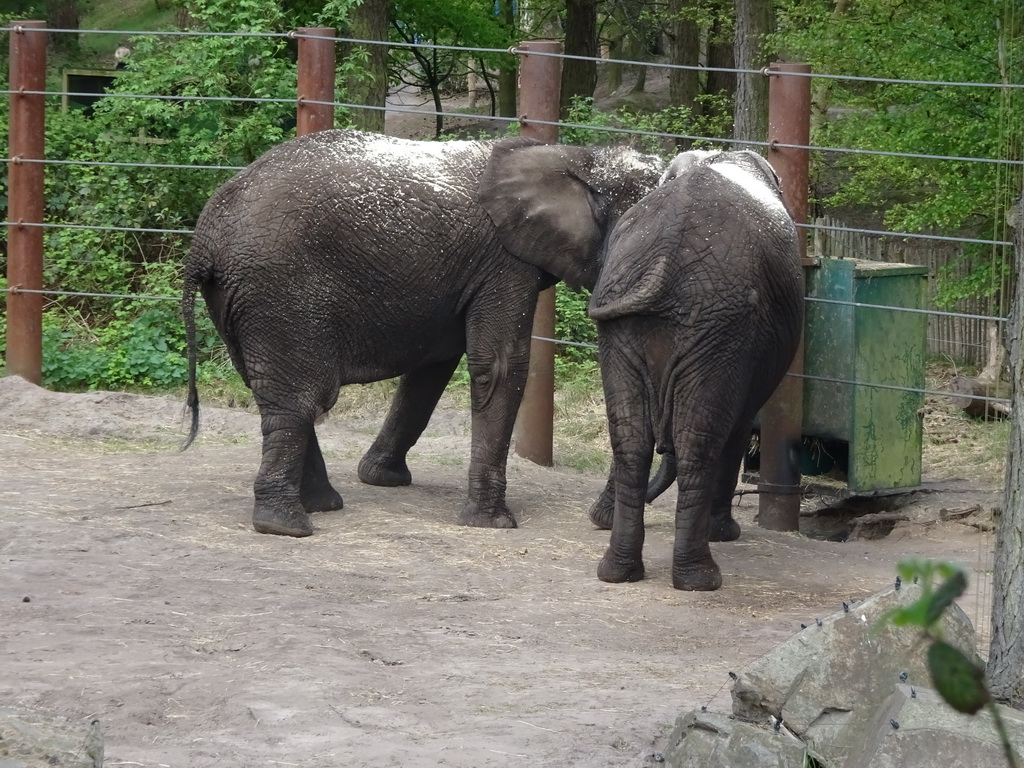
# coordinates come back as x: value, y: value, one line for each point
x: 135, y: 591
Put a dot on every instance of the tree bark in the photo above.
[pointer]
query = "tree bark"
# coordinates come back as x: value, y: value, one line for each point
x: 64, y: 14
x: 368, y: 21
x: 821, y: 91
x: 721, y: 56
x: 579, y: 78
x: 1005, y: 670
x: 508, y: 75
x: 754, y: 19
x: 684, y: 50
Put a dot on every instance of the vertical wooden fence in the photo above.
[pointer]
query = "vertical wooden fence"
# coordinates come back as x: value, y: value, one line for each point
x: 958, y: 337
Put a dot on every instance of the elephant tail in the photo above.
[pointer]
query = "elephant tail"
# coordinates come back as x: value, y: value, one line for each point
x: 667, y: 471
x: 197, y: 272
x: 664, y: 478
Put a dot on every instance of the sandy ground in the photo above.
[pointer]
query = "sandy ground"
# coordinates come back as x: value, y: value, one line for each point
x: 134, y: 590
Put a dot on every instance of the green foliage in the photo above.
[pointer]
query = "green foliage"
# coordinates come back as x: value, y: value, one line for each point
x: 587, y: 122
x: 134, y: 349
x: 572, y: 324
x: 972, y: 42
x: 114, y: 342
x: 463, y: 23
x: 959, y: 680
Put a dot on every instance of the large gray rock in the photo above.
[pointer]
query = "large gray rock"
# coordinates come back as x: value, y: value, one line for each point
x: 827, y: 682
x: 33, y: 739
x: 851, y: 693
x: 915, y: 728
x: 710, y: 740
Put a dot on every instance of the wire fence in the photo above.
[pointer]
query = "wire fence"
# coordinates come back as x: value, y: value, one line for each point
x: 814, y: 229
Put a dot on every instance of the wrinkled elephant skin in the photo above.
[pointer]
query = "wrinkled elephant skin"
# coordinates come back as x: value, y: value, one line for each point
x: 343, y: 257
x: 699, y: 308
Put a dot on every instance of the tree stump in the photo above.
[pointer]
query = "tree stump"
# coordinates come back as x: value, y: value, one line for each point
x: 972, y: 396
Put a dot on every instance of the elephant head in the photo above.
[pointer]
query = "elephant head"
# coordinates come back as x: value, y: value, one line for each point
x: 553, y: 205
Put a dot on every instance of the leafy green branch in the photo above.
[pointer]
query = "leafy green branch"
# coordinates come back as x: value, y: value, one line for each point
x: 959, y: 680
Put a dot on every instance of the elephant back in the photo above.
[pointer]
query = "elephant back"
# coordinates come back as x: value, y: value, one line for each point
x: 711, y: 229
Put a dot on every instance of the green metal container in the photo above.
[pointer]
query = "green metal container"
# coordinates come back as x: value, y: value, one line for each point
x: 882, y: 425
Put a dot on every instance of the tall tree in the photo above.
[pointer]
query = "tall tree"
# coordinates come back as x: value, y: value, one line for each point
x: 508, y: 72
x: 368, y: 84
x: 721, y: 57
x: 442, y: 26
x: 754, y: 22
x: 1005, y: 669
x: 579, y: 77
x: 684, y: 50
x: 64, y: 14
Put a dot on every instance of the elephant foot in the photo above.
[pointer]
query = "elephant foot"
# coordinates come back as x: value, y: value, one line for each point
x: 390, y: 472
x: 697, y: 578
x: 724, y: 528
x: 602, y: 513
x: 476, y: 517
x: 616, y: 571
x: 322, y: 500
x: 281, y: 520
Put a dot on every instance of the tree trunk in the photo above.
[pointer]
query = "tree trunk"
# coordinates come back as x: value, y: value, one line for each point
x: 508, y: 75
x: 368, y: 21
x: 614, y: 69
x: 64, y: 14
x: 721, y: 56
x: 821, y: 91
x: 1005, y: 669
x: 754, y: 19
x: 640, y: 38
x: 579, y: 78
x: 684, y: 50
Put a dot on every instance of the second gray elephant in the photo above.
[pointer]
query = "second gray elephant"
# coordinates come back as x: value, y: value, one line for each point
x: 341, y: 257
x: 699, y: 310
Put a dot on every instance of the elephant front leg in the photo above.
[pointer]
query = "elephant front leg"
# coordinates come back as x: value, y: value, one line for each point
x: 497, y: 370
x: 418, y: 392
x: 278, y: 487
x: 723, y: 525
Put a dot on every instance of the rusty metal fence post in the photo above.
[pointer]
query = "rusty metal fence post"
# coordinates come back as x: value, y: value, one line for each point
x: 316, y: 80
x: 25, y: 201
x: 789, y: 122
x: 539, y: 85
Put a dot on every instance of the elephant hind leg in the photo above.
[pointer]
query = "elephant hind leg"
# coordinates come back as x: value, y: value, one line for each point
x: 316, y: 492
x: 384, y: 464
x: 278, y: 488
x: 602, y: 512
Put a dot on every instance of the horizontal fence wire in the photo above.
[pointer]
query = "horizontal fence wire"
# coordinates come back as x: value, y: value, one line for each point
x: 57, y: 224
x: 563, y: 342
x: 513, y: 50
x: 556, y: 123
x: 560, y: 124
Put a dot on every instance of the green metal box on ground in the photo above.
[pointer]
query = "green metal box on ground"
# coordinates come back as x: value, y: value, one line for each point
x: 846, y: 342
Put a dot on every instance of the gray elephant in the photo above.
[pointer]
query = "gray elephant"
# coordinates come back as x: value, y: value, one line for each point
x: 699, y: 309
x: 343, y: 257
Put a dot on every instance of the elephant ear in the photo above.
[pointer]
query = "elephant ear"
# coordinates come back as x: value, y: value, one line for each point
x: 546, y: 214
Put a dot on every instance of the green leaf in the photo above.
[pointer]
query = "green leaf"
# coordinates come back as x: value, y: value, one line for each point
x: 944, y: 596
x: 958, y: 680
